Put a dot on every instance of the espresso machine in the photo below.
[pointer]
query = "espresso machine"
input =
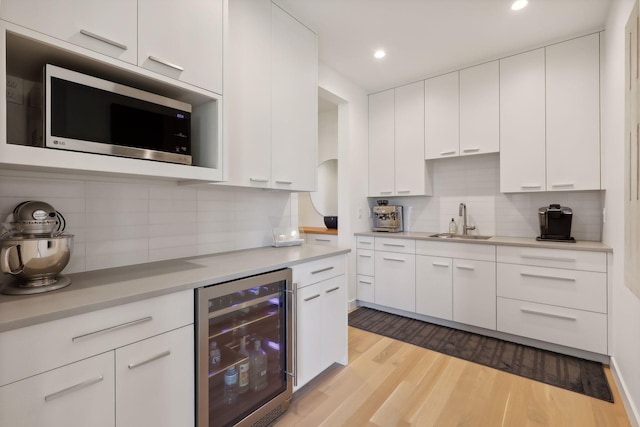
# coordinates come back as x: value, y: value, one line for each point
x: 387, y: 217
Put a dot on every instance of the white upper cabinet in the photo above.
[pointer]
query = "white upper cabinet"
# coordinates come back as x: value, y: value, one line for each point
x: 442, y: 116
x: 573, y: 114
x: 109, y: 28
x: 381, y: 144
x: 522, y: 122
x: 480, y: 109
x: 182, y: 40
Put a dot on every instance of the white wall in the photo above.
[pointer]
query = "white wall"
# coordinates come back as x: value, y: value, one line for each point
x: 624, y: 305
x: 120, y: 222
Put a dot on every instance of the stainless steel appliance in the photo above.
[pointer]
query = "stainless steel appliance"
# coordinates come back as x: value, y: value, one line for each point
x: 555, y: 223
x: 243, y: 317
x: 387, y: 217
x: 34, y: 249
x: 84, y: 113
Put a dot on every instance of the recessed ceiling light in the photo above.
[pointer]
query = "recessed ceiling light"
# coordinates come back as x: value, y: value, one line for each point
x: 519, y: 4
x: 380, y: 53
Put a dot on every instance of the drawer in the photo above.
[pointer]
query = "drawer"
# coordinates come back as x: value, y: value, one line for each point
x: 319, y: 270
x: 365, y: 288
x: 480, y: 252
x: 572, y: 328
x: 582, y: 290
x: 322, y: 239
x: 365, y: 242
x: 38, y: 348
x: 405, y: 246
x: 554, y: 258
x: 365, y: 262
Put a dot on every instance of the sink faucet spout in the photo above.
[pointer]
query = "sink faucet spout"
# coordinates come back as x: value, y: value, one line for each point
x: 462, y: 211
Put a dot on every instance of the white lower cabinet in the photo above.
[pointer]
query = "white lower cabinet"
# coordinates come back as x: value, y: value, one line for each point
x: 474, y: 293
x: 365, y: 269
x: 78, y: 394
x: 434, y: 286
x: 395, y: 284
x: 321, y: 317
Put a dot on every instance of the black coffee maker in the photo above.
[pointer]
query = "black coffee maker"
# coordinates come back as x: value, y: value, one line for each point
x: 555, y: 223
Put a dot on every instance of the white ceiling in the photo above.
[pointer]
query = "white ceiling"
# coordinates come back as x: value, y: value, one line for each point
x: 424, y: 38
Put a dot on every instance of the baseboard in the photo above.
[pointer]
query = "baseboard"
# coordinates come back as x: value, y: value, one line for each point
x: 632, y: 411
x: 352, y: 305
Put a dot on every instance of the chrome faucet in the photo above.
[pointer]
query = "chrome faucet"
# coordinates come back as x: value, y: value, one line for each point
x: 462, y: 211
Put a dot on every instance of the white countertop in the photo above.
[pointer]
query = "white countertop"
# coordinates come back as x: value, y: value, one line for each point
x: 94, y: 290
x: 579, y: 245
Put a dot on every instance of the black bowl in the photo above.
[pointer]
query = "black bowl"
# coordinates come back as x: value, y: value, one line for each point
x: 331, y: 221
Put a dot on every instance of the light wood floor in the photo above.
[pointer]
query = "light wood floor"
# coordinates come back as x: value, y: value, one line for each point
x: 391, y: 383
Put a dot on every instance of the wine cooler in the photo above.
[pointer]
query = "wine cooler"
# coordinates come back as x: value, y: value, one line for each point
x: 244, y: 357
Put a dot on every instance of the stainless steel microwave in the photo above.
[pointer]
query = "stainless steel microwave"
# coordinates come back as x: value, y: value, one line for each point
x: 88, y: 114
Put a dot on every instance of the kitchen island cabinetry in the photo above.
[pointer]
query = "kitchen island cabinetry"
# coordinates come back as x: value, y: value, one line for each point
x: 321, y: 317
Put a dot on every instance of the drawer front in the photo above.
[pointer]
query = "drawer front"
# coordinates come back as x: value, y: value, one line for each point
x: 365, y: 262
x: 573, y: 328
x: 365, y: 242
x: 405, y: 246
x: 322, y: 239
x: 34, y: 349
x: 480, y: 252
x: 582, y: 290
x: 554, y: 258
x: 319, y: 270
x: 365, y: 288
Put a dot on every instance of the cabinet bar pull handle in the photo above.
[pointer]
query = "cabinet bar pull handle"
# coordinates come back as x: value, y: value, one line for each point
x: 365, y: 243
x: 150, y: 359
x: 103, y: 39
x: 73, y: 388
x: 548, y: 258
x: 333, y: 289
x: 397, y: 245
x: 112, y: 328
x: 525, y: 187
x: 293, y: 294
x: 439, y: 264
x: 322, y: 270
x: 386, y: 192
x: 470, y: 150
x: 544, y: 313
x: 393, y: 259
x: 465, y: 267
x: 544, y: 276
x: 258, y: 180
x: 313, y: 297
x: 364, y: 281
x: 322, y: 240
x: 564, y: 184
x: 404, y: 191
x: 447, y: 153
x: 283, y: 182
x: 365, y: 256
x: 167, y: 63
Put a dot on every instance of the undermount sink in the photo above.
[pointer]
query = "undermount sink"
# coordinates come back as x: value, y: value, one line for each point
x: 460, y: 236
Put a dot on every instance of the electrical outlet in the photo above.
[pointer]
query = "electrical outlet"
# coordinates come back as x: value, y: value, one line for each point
x: 15, y: 90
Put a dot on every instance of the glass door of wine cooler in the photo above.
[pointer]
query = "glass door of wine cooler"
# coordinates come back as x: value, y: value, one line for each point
x: 244, y: 356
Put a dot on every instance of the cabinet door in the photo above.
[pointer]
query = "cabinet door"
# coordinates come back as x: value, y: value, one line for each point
x: 294, y: 68
x: 183, y: 42
x: 434, y: 286
x: 480, y: 109
x: 155, y: 381
x: 247, y: 90
x: 395, y: 280
x: 75, y: 395
x: 310, y: 324
x: 573, y: 114
x: 409, y: 140
x: 522, y: 124
x: 365, y: 288
x: 381, y: 144
x: 442, y: 116
x: 474, y: 293
x: 109, y: 28
x: 334, y: 336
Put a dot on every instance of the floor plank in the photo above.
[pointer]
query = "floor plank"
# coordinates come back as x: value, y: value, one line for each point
x: 389, y: 383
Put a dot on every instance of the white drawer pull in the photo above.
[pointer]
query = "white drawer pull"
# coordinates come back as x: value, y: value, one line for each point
x: 312, y: 297
x: 386, y: 192
x: 439, y: 264
x: 322, y: 270
x: 362, y: 242
x: 544, y: 276
x: 104, y: 39
x: 167, y: 63
x: 396, y: 245
x: 548, y: 258
x: 471, y: 150
x: 544, y: 313
x: 533, y: 186
x: 393, y: 259
x: 563, y: 185
x: 404, y: 191
x: 447, y: 153
x: 364, y: 281
x: 258, y: 180
x: 365, y: 256
x: 73, y: 388
x: 322, y: 240
x: 278, y: 181
x: 112, y: 328
x: 332, y: 289
x: 465, y: 267
x: 150, y: 359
